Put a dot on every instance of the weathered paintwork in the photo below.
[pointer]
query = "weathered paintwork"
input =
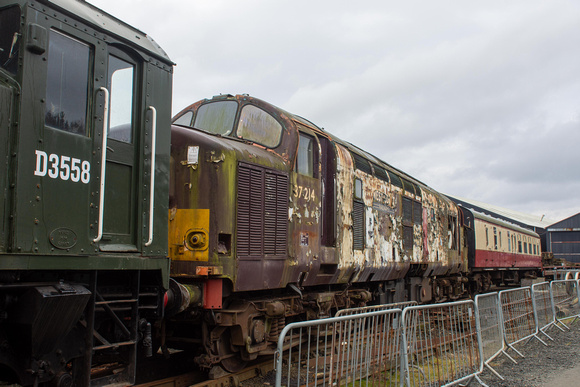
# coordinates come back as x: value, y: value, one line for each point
x: 308, y: 224
x: 210, y: 184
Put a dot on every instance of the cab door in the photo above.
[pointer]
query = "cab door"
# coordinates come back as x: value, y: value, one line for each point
x: 54, y: 188
x: 306, y: 210
x: 119, y: 217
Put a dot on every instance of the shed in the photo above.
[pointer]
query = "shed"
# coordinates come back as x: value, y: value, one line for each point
x: 563, y: 239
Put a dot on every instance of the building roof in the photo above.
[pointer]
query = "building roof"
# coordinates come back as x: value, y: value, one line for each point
x: 572, y: 223
x: 515, y: 216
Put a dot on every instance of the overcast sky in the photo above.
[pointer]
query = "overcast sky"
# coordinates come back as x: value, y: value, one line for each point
x: 476, y: 99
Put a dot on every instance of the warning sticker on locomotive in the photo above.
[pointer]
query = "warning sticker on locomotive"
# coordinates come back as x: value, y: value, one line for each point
x: 192, y: 154
x: 62, y: 167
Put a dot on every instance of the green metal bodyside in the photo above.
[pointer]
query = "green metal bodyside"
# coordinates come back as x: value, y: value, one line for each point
x: 51, y: 223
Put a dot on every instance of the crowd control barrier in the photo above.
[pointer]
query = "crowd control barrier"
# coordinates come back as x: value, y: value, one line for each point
x: 421, y: 345
x: 543, y: 309
x: 490, y: 329
x: 340, y: 351
x: 565, y: 300
x: 440, y: 344
x: 518, y: 317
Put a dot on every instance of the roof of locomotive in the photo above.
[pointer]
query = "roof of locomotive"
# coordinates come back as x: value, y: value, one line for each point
x: 353, y: 148
x: 103, y: 21
x: 320, y: 131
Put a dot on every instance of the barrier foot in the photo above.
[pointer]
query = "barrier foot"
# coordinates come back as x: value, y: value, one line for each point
x: 481, y: 381
x: 509, y: 357
x: 540, y: 340
x: 494, y: 371
x: 564, y: 325
x: 555, y: 325
x: 515, y: 350
x: 545, y: 334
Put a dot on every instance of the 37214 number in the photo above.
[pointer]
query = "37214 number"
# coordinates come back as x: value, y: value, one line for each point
x: 62, y: 167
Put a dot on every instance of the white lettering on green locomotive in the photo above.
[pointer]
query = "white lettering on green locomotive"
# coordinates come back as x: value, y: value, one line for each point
x: 63, y: 167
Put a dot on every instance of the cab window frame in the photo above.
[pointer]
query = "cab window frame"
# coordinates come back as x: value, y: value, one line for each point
x: 55, y: 87
x: 241, y: 133
x: 124, y: 56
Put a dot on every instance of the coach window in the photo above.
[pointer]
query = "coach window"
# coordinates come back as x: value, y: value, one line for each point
x: 305, y: 156
x: 67, y: 83
x: 519, y: 246
x: 257, y: 126
x: 121, y: 79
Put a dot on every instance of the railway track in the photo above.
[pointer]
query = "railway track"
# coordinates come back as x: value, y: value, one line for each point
x: 230, y: 380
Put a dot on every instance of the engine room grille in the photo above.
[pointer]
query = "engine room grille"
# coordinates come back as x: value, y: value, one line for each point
x: 262, y: 219
x: 358, y: 225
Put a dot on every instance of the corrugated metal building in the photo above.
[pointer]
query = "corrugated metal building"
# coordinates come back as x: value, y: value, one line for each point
x: 563, y: 239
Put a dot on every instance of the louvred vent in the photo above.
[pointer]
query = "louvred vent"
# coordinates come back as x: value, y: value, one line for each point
x: 358, y: 225
x: 262, y: 221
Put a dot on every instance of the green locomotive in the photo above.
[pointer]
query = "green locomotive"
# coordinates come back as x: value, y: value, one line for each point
x: 85, y: 109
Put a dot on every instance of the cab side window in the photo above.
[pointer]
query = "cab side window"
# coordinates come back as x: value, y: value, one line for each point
x: 67, y: 85
x: 305, y: 156
x: 121, y: 76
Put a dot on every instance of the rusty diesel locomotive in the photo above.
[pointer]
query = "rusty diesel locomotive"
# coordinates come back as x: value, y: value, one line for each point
x: 273, y: 219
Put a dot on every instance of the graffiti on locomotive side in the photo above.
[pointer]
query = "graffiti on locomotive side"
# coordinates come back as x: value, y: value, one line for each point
x: 63, y: 167
x: 305, y: 193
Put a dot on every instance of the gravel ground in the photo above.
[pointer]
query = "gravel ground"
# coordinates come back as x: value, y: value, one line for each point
x: 542, y: 365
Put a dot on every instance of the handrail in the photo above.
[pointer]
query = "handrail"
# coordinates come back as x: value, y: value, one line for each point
x: 152, y: 181
x: 103, y: 163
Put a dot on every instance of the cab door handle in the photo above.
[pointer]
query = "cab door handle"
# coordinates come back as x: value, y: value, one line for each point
x: 152, y: 177
x: 103, y: 162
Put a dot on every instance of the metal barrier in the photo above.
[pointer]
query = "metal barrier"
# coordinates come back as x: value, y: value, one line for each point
x: 374, y: 308
x: 341, y: 350
x: 565, y: 300
x: 543, y: 308
x: 518, y: 317
x: 490, y: 329
x: 441, y: 342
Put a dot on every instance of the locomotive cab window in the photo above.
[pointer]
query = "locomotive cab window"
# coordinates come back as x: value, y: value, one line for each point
x: 10, y: 38
x: 258, y: 126
x: 305, y: 156
x: 67, y: 83
x: 216, y: 117
x: 121, y: 79
x: 184, y: 120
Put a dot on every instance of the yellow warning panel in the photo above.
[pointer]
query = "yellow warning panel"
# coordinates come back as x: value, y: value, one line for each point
x: 189, y: 234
